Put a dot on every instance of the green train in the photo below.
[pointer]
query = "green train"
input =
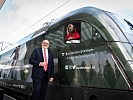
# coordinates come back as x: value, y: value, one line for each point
x: 94, y: 61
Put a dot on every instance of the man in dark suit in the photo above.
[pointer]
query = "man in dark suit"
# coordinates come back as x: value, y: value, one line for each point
x: 42, y: 71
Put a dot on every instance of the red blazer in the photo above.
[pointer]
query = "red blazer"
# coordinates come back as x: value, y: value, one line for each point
x: 75, y: 35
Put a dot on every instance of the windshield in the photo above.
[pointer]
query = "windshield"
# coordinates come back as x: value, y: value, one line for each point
x: 126, y: 28
x: 124, y: 25
x: 125, y: 47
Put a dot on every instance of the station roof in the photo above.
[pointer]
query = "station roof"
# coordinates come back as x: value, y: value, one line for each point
x: 1, y: 3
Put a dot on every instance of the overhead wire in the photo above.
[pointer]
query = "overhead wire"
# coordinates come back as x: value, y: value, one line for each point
x: 45, y: 16
x: 22, y: 10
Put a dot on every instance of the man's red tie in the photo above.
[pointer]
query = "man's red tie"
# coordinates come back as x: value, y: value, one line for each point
x: 45, y: 60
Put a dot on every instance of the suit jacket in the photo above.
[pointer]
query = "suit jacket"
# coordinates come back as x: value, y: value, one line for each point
x: 36, y: 58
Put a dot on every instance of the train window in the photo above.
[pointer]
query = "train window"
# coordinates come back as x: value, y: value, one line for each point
x: 72, y: 32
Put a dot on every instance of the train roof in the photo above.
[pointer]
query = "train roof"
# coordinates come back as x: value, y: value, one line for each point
x: 96, y: 16
x: 113, y: 25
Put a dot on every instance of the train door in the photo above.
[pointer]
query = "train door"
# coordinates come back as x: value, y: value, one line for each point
x: 62, y: 89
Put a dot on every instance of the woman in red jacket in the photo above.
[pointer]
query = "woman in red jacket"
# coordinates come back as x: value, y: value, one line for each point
x: 72, y: 33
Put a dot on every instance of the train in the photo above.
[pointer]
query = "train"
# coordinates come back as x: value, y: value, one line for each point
x: 97, y: 65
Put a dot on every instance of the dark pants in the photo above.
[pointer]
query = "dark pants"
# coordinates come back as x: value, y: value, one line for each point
x: 39, y: 88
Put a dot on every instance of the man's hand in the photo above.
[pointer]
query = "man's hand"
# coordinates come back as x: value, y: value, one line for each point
x: 51, y: 79
x: 42, y: 64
